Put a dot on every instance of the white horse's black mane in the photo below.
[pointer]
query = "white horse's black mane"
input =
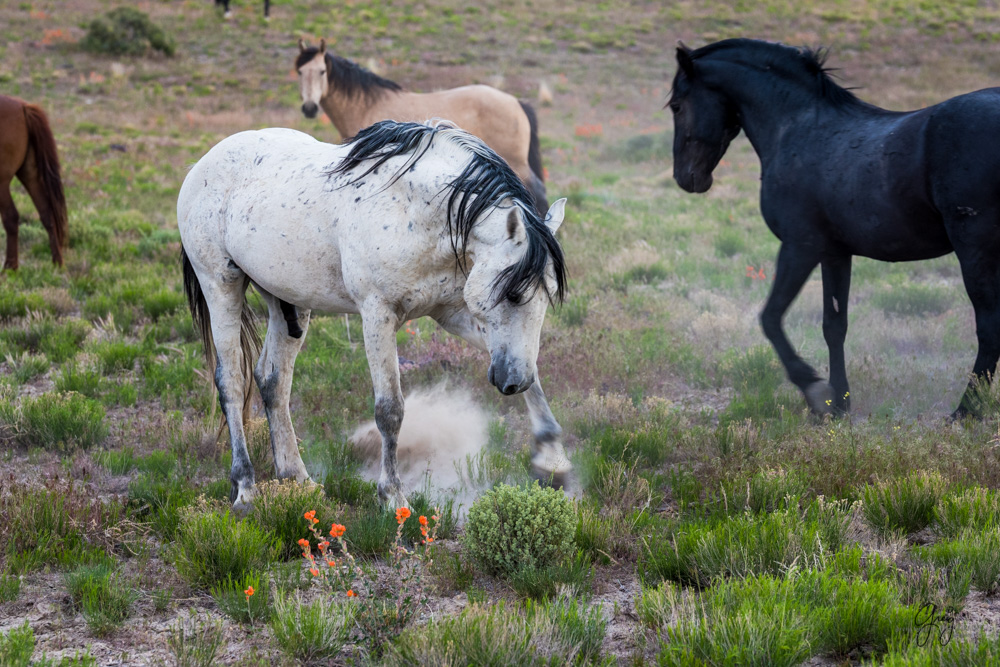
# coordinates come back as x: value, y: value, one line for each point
x: 483, y: 184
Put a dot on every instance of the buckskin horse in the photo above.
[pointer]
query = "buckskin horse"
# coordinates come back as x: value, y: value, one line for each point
x: 841, y: 177
x: 404, y: 221
x: 354, y: 98
x: 28, y: 151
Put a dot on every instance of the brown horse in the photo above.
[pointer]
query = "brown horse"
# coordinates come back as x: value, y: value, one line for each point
x: 28, y: 151
x: 355, y: 98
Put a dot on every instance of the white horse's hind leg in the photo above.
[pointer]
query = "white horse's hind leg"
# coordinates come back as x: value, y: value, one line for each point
x: 225, y: 303
x: 548, y: 458
x: 379, y: 322
x: 274, y: 378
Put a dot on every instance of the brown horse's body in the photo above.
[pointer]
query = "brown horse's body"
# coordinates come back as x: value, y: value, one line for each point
x: 28, y: 151
x: 354, y: 99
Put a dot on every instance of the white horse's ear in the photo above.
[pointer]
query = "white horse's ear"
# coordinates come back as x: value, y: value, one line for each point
x: 555, y: 215
x: 302, y: 46
x: 322, y: 45
x: 515, y: 228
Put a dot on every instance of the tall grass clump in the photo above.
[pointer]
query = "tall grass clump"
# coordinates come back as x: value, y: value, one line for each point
x: 937, y: 651
x: 102, y: 595
x: 510, y: 528
x: 975, y: 553
x: 558, y: 632
x: 61, y: 422
x: 311, y: 632
x: 246, y: 600
x: 194, y: 643
x: 976, y: 508
x: 10, y: 586
x: 159, y: 500
x: 904, y: 504
x: 17, y: 645
x: 213, y: 546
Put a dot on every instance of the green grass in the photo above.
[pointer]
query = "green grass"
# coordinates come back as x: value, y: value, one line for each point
x: 902, y: 505
x: 233, y: 601
x: 194, y: 643
x: 16, y: 646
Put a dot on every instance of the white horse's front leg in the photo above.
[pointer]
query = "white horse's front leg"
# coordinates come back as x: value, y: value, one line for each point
x: 379, y: 322
x: 548, y: 458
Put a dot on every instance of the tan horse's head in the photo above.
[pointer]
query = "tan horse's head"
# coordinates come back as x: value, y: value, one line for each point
x: 313, y: 76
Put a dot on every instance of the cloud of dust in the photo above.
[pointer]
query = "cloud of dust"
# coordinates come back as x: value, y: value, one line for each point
x: 441, y: 428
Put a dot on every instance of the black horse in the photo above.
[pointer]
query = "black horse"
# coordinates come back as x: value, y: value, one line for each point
x: 225, y: 7
x: 840, y: 177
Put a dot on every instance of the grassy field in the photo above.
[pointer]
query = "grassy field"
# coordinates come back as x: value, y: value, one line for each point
x: 712, y: 521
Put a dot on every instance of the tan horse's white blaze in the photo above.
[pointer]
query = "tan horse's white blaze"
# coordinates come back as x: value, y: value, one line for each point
x: 490, y: 114
x: 265, y: 207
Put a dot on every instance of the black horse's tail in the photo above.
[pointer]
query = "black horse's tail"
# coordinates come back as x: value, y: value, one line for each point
x: 534, y: 148
x: 249, y: 336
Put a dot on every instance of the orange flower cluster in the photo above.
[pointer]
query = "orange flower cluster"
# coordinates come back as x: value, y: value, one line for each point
x: 248, y: 592
x: 423, y: 529
x: 311, y: 516
x: 402, y: 514
x: 589, y: 130
x: 756, y: 274
x: 351, y: 594
x: 337, y: 530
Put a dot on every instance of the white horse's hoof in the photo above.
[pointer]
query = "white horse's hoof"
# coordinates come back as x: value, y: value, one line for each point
x: 550, y: 464
x: 244, y: 498
x: 819, y: 397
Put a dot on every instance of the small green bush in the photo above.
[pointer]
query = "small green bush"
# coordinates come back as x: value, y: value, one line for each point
x: 510, y: 528
x: 279, y: 507
x: 10, y: 586
x: 977, y: 508
x: 102, y: 595
x: 311, y: 632
x: 214, y: 546
x: 116, y: 356
x: 63, y: 422
x: 159, y: 500
x: 126, y: 31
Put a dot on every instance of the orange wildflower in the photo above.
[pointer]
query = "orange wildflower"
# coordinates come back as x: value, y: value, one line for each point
x: 351, y: 594
x: 311, y: 516
x: 314, y: 572
x: 422, y: 520
x: 248, y: 592
x: 402, y: 514
x: 337, y: 530
x: 323, y: 545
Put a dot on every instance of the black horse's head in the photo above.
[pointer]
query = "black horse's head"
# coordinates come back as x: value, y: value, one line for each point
x: 704, y: 124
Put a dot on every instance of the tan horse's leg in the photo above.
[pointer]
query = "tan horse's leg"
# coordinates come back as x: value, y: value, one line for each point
x: 11, y: 219
x: 274, y: 378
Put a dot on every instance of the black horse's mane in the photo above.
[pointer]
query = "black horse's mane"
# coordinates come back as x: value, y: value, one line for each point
x: 483, y: 184
x: 349, y: 77
x: 807, y: 64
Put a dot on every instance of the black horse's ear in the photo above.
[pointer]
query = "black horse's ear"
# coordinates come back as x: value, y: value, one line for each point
x: 302, y: 46
x: 322, y: 46
x: 684, y: 60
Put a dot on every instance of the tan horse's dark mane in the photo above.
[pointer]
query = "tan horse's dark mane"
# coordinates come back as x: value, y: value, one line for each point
x: 348, y: 77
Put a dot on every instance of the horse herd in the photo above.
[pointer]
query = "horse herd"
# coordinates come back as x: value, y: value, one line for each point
x: 415, y: 217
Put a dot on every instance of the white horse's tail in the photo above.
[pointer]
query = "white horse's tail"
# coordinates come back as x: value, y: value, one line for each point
x: 250, y: 342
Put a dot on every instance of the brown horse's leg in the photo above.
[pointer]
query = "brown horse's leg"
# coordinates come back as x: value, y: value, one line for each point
x: 29, y: 177
x: 9, y: 214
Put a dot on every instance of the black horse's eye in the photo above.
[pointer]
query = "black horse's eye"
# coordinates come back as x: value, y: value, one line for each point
x: 675, y: 107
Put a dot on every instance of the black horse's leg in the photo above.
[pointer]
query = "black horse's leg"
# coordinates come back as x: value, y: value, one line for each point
x: 792, y: 271
x: 291, y: 319
x: 981, y: 274
x: 836, y: 289
x: 267, y: 9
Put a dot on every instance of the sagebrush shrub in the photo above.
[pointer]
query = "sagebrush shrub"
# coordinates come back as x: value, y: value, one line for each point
x: 279, y: 507
x: 126, y: 32
x: 515, y: 527
x: 63, y: 422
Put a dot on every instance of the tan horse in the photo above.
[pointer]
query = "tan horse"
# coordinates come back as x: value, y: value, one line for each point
x: 355, y: 98
x: 28, y: 151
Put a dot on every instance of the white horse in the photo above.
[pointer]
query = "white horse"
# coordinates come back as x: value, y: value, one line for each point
x: 406, y: 220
